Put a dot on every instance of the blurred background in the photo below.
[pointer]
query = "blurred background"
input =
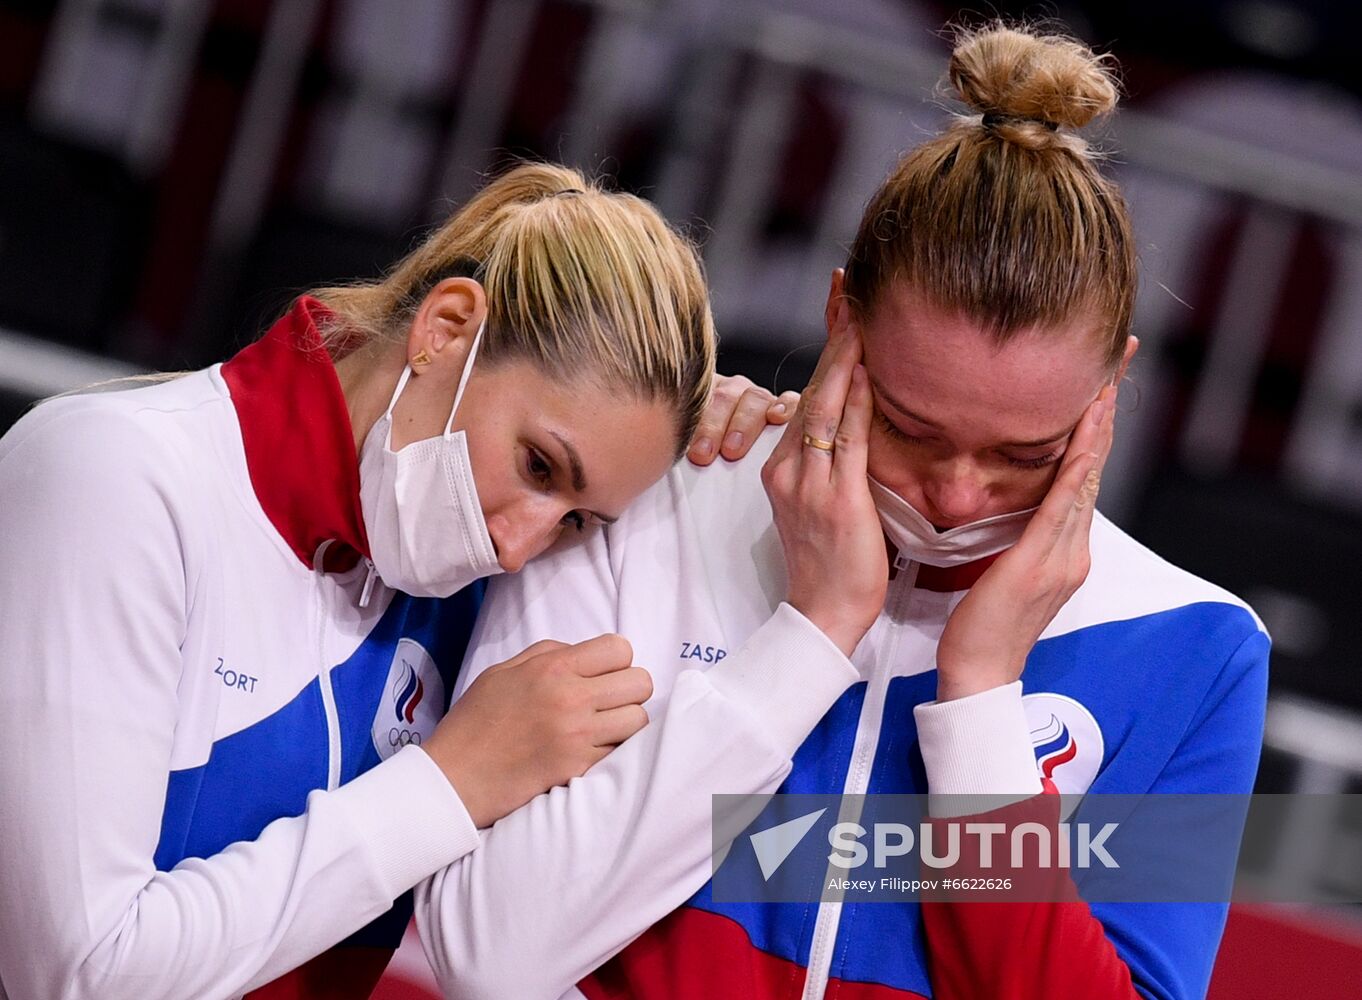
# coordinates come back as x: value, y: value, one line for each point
x: 172, y: 172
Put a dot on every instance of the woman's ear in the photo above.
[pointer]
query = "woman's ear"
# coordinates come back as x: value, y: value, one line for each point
x: 1132, y: 345
x: 835, y: 312
x: 445, y: 323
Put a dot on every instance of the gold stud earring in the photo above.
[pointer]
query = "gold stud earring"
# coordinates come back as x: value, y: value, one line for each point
x: 421, y: 360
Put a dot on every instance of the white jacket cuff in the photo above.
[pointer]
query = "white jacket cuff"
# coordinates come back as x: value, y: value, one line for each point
x: 787, y: 674
x: 411, y: 817
x: 979, y: 745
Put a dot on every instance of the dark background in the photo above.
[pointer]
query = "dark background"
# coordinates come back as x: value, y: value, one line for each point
x: 172, y: 172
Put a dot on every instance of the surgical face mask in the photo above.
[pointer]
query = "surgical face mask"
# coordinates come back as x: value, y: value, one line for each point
x: 917, y: 540
x: 427, y: 536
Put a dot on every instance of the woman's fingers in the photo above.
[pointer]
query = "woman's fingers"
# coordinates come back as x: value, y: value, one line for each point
x: 1060, y: 506
x: 853, y: 435
x: 616, y: 725
x: 603, y: 654
x: 1095, y: 447
x: 823, y: 410
x: 991, y: 632
x: 739, y: 410
x: 839, y: 339
x: 1080, y: 525
x: 1059, y: 511
x: 630, y: 686
x: 723, y: 402
x: 824, y: 403
x: 820, y: 499
x: 542, y: 646
x: 783, y: 408
x: 792, y: 442
x: 748, y: 420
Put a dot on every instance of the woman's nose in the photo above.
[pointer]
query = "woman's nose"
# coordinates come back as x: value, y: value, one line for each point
x: 521, y: 532
x: 957, y: 492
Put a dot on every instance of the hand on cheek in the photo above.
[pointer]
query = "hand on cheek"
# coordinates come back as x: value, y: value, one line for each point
x: 992, y: 630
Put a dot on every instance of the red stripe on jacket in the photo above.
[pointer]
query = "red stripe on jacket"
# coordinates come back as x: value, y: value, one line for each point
x: 693, y: 954
x: 304, y: 469
x: 299, y: 442
x: 1007, y: 950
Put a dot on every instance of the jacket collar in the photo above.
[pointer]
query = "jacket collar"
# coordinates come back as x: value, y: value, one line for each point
x: 943, y: 579
x: 300, y: 446
x: 948, y: 579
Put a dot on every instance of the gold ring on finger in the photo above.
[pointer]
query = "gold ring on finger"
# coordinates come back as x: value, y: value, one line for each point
x: 818, y: 443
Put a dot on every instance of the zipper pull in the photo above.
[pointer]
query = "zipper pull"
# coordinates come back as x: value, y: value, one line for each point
x: 369, y: 579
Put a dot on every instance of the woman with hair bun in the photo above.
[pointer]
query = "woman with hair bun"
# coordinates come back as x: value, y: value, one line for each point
x: 236, y: 601
x: 1004, y: 639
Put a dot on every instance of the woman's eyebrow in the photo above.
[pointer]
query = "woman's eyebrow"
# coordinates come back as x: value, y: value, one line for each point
x: 578, y: 475
x: 926, y: 422
x: 574, y: 462
x: 895, y: 404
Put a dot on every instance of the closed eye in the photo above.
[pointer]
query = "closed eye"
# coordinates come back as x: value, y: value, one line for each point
x: 1039, y: 462
x: 895, y: 431
x: 1032, y: 463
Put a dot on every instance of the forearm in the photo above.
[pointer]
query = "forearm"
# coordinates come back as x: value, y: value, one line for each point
x: 108, y: 927
x: 564, y: 883
x: 1036, y: 939
x: 1044, y: 940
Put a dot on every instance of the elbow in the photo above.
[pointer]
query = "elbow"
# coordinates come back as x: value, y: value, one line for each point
x: 94, y: 968
x: 469, y: 970
x: 43, y: 973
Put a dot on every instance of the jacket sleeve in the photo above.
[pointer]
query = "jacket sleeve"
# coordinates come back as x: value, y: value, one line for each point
x: 1065, y: 947
x: 562, y: 884
x: 97, y: 589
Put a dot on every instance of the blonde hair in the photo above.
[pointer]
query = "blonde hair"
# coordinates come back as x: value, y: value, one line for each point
x: 1005, y: 217
x: 583, y: 282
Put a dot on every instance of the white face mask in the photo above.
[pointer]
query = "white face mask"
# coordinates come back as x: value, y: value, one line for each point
x: 917, y: 540
x: 427, y: 536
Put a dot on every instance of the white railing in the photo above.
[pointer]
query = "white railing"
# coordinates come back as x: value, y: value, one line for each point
x: 39, y: 368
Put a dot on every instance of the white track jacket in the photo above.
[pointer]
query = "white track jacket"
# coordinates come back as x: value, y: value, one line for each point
x: 1148, y: 680
x: 206, y: 769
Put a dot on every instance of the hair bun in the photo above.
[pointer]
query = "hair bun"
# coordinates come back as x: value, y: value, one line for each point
x: 1013, y: 73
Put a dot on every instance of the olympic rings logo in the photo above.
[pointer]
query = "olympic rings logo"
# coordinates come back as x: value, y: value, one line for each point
x: 403, y: 737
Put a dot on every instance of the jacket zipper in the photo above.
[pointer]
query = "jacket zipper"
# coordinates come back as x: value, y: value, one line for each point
x: 333, y: 738
x: 370, y: 577
x: 868, y: 727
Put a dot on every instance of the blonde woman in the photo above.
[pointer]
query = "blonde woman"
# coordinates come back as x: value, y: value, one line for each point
x: 1006, y: 640
x: 235, y: 601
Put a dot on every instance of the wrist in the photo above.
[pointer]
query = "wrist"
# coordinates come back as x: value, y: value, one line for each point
x: 470, y: 790
x: 843, y: 634
x: 947, y: 691
x: 952, y: 685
